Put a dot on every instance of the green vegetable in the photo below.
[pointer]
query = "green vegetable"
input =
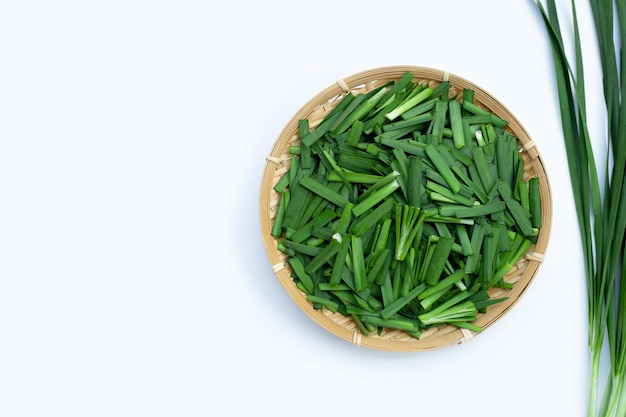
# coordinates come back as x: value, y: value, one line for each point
x: 601, y: 212
x: 456, y: 123
x: 397, y: 219
x: 408, y: 222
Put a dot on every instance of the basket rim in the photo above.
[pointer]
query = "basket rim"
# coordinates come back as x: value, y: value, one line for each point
x: 359, y: 81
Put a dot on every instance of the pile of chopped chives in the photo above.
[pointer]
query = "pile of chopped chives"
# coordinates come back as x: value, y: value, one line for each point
x: 404, y: 206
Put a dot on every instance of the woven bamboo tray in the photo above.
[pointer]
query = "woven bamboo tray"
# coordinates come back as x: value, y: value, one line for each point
x: 277, y: 163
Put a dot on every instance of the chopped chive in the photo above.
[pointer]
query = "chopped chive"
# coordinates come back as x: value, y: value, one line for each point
x: 454, y: 109
x: 331, y: 305
x: 393, y: 308
x: 408, y: 222
x: 330, y: 287
x: 408, y: 123
x: 324, y: 256
x: 471, y: 326
x: 451, y: 196
x: 477, y: 210
x: 383, y: 236
x: 443, y: 168
x: 282, y: 184
x: 407, y: 145
x: 522, y: 218
x: 367, y: 221
x: 305, y: 150
x: 299, y: 269
x: 277, y: 227
x: 534, y: 201
x: 440, y: 114
x: 464, y: 239
x: 420, y: 109
x: 358, y: 263
x: 344, y: 220
x: 323, y: 191
x: 441, y: 251
x: 483, y: 168
x: 340, y: 262
x: 476, y: 110
x: 523, y: 195
x: 443, y: 284
x: 376, y: 273
x: 375, y: 198
x: 463, y: 311
x: 326, y: 123
x: 414, y: 181
x: 302, y: 248
x: 392, y: 323
x: 355, y: 177
x: 412, y: 102
x: 359, y: 111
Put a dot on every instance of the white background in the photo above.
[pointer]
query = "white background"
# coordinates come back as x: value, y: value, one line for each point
x: 133, y: 278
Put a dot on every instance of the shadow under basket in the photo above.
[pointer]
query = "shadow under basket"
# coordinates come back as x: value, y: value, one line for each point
x: 278, y: 162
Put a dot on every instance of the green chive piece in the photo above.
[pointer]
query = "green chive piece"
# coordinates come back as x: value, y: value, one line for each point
x: 375, y: 198
x: 442, y: 250
x: 299, y: 269
x: 358, y: 263
x: 412, y: 102
x: 534, y: 201
x: 456, y: 122
x: 323, y: 191
x: 393, y: 308
x: 408, y: 222
x: 443, y: 168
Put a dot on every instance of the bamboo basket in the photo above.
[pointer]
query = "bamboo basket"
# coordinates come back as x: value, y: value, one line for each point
x: 277, y: 163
